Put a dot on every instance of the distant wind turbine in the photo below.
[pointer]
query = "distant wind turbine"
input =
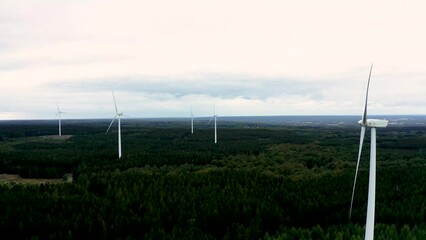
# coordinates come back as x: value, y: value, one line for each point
x: 192, y: 121
x: 215, y: 124
x: 58, y: 114
x: 373, y: 124
x: 117, y: 115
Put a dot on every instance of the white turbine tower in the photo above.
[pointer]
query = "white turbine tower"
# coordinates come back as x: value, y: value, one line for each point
x: 117, y: 115
x: 58, y: 114
x: 215, y: 124
x: 192, y: 122
x: 373, y: 124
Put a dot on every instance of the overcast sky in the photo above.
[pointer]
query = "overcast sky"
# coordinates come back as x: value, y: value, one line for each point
x: 246, y: 57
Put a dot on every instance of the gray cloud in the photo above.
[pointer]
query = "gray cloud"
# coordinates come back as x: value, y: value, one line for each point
x: 218, y: 86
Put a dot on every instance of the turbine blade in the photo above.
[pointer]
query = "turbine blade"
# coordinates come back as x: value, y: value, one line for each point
x: 111, y: 124
x: 364, y: 115
x: 115, y: 104
x: 361, y: 141
x: 210, y: 120
x: 57, y: 107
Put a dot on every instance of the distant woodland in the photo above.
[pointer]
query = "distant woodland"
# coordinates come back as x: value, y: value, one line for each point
x: 257, y: 182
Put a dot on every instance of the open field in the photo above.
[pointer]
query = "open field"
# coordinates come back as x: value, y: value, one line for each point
x: 55, y: 137
x: 260, y: 181
x: 14, y: 178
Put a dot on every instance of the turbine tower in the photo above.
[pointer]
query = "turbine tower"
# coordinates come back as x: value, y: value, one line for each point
x: 192, y: 121
x: 373, y: 124
x: 215, y: 124
x: 58, y: 114
x: 118, y: 116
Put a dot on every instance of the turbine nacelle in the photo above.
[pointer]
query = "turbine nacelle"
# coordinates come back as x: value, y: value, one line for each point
x: 374, y: 123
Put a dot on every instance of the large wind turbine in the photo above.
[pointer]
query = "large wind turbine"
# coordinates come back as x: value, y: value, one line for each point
x: 117, y: 115
x: 373, y: 124
x: 215, y: 124
x: 58, y: 114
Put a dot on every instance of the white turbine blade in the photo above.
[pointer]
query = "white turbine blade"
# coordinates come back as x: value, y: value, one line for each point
x: 364, y: 115
x: 210, y: 120
x: 58, y: 113
x: 361, y: 141
x: 115, y: 104
x: 111, y: 124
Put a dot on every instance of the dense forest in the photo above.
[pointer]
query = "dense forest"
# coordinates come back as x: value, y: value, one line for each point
x: 258, y: 181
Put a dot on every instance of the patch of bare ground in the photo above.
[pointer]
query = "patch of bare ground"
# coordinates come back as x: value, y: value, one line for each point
x: 13, y: 178
x: 57, y: 137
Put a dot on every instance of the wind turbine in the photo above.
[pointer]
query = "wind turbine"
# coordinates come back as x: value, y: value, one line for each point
x: 215, y: 124
x: 58, y: 114
x: 192, y: 121
x: 373, y: 124
x: 117, y: 115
